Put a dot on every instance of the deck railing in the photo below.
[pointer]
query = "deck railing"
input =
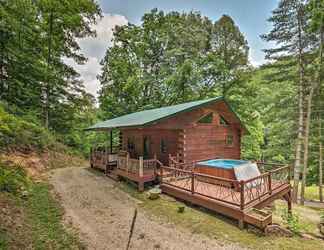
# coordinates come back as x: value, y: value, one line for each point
x: 241, y: 194
x: 103, y: 155
x: 137, y: 166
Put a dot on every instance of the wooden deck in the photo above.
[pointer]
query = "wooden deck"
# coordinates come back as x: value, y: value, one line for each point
x: 229, y: 195
x: 120, y: 164
x: 148, y: 176
x: 239, y: 200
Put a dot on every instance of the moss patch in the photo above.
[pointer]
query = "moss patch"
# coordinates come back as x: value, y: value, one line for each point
x: 200, y: 221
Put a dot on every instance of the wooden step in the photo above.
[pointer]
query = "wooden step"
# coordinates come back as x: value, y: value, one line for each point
x: 258, y: 218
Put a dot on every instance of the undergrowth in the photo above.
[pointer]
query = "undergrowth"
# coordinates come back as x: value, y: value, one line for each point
x: 40, y: 215
x: 292, y: 221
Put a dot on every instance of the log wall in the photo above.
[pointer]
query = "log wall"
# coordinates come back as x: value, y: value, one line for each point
x: 188, y: 138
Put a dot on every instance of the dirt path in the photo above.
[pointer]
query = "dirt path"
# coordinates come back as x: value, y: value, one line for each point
x: 103, y: 214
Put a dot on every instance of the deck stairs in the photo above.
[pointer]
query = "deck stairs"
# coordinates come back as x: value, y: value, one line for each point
x: 258, y: 217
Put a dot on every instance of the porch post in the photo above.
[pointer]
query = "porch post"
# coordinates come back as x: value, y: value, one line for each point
x: 111, y: 141
x: 269, y: 183
x: 127, y: 161
x: 141, y: 166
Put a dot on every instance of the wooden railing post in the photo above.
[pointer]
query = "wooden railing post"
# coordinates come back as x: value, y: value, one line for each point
x: 269, y: 183
x: 127, y: 161
x: 161, y: 174
x: 106, y: 156
x: 289, y: 173
x: 242, y: 183
x: 141, y: 166
x: 192, y: 182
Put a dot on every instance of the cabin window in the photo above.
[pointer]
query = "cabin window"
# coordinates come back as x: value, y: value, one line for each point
x: 163, y: 146
x: 206, y: 119
x: 130, y: 145
x: 229, y: 140
x: 222, y: 121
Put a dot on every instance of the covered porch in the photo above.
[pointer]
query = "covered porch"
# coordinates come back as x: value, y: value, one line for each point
x: 119, y: 163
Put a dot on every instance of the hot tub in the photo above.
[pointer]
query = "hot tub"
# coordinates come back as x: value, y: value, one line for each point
x: 223, y: 168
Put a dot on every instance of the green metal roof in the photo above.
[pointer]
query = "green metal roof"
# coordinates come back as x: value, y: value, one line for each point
x: 148, y: 116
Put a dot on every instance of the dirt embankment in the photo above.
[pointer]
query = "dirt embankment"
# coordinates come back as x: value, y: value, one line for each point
x: 103, y: 213
x: 37, y: 164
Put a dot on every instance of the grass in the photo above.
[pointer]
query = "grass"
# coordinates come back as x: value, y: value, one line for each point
x: 223, y: 229
x: 311, y: 192
x: 3, y: 240
x: 33, y: 221
x: 45, y: 218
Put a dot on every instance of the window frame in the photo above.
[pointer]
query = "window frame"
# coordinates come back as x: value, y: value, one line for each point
x: 163, y: 146
x: 130, y: 144
x: 231, y: 144
x: 204, y: 117
x: 223, y: 121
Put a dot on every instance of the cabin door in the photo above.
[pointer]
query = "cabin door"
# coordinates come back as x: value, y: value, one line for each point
x: 146, y: 147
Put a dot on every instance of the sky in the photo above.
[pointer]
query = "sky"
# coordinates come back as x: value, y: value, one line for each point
x: 250, y: 15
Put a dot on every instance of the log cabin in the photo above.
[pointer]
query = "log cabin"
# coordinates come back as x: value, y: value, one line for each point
x: 194, y: 149
x: 191, y: 131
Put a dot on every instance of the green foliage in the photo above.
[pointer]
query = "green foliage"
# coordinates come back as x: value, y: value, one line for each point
x: 34, y: 37
x: 45, y: 217
x: 18, y: 133
x: 42, y: 215
x: 292, y: 221
x: 170, y: 58
x: 3, y: 241
x: 13, y: 180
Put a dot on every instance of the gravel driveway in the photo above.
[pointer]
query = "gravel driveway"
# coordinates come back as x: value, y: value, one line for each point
x: 103, y: 215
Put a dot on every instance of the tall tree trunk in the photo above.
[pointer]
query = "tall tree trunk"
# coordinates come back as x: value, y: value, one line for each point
x: 48, y: 82
x: 297, y: 163
x: 320, y: 165
x: 316, y: 84
x: 306, y: 146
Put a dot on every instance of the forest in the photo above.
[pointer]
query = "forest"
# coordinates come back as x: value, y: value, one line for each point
x: 169, y: 58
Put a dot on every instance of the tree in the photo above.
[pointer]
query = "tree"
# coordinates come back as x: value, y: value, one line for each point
x: 62, y: 24
x: 289, y: 32
x: 229, y: 44
x: 35, y: 37
x: 316, y: 11
x: 166, y: 60
x: 20, y: 65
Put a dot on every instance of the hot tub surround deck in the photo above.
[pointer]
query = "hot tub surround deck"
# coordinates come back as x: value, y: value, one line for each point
x: 227, y: 196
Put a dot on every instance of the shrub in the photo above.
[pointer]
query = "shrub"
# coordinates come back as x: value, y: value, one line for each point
x: 18, y: 133
x: 291, y: 220
x: 13, y: 179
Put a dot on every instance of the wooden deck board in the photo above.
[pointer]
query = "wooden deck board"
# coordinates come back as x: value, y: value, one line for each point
x: 224, y: 193
x: 225, y: 200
